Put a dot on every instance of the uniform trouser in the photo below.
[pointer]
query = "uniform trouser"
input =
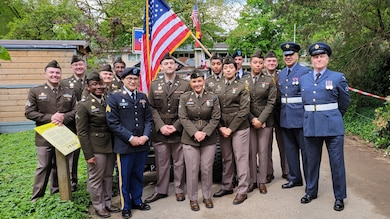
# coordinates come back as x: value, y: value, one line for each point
x: 235, y: 146
x: 199, y: 158
x: 282, y: 152
x: 73, y: 165
x: 335, y: 146
x: 294, y: 143
x: 259, y: 141
x: 163, y: 152
x: 131, y: 177
x: 46, y: 168
x: 100, y: 180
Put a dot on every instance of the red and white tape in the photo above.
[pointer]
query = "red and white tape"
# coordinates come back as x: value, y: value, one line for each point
x: 368, y: 94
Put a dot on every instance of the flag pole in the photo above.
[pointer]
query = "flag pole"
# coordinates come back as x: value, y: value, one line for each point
x: 200, y: 44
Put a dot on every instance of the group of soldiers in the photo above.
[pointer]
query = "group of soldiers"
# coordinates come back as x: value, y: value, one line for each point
x: 184, y: 120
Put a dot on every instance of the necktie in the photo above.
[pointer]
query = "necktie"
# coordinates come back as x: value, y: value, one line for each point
x: 317, y: 76
x: 133, y: 95
x: 103, y: 102
x: 55, y: 90
x: 288, y: 72
x: 254, y: 80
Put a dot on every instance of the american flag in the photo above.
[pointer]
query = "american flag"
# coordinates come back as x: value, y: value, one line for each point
x: 163, y: 32
x: 196, y: 23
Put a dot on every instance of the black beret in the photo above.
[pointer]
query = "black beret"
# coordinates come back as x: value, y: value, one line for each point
x: 270, y: 54
x: 167, y: 56
x: 53, y: 64
x: 76, y: 58
x: 119, y: 60
x: 216, y: 56
x: 320, y: 48
x: 237, y: 53
x: 196, y: 74
x: 93, y: 76
x: 289, y: 48
x: 105, y: 68
x: 257, y: 54
x: 130, y: 71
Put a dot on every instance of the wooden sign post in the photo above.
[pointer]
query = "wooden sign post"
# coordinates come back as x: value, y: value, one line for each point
x: 63, y: 176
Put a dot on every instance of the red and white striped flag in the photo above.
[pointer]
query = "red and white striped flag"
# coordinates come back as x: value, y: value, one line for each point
x: 163, y: 32
x: 196, y: 23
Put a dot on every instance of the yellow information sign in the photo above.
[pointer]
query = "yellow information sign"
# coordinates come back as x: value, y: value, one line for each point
x: 62, y: 138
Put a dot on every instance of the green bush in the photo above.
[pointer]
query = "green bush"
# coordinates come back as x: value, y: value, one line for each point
x: 18, y: 162
x: 382, y: 126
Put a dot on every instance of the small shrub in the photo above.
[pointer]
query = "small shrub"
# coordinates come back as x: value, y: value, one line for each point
x: 382, y: 126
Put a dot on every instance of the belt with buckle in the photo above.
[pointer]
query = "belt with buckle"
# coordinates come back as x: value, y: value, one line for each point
x: 322, y: 107
x: 291, y: 99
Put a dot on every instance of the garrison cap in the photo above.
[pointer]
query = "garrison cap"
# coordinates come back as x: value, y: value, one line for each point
x: 93, y: 76
x: 290, y: 48
x: 257, y: 54
x: 167, y: 56
x: 320, y: 48
x: 270, y: 54
x: 76, y: 58
x: 216, y: 56
x: 196, y: 74
x: 105, y: 68
x: 130, y: 71
x: 53, y: 64
x: 229, y: 60
x: 237, y: 53
x: 119, y: 60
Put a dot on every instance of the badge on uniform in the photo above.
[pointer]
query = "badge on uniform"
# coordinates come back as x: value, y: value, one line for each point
x: 211, y: 84
x: 218, y: 89
x: 68, y: 97
x: 71, y: 85
x: 94, y: 109
x: 143, y: 102
x: 234, y: 90
x: 329, y: 85
x: 190, y: 102
x: 295, y: 81
x: 108, y: 108
x: 42, y: 96
x: 263, y: 84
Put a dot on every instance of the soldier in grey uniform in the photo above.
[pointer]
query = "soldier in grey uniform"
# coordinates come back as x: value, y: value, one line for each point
x: 76, y: 82
x: 96, y: 143
x: 119, y: 65
x: 164, y: 96
x: 270, y: 64
x: 216, y: 71
x: 263, y: 97
x: 233, y: 131
x: 47, y: 103
x: 199, y: 113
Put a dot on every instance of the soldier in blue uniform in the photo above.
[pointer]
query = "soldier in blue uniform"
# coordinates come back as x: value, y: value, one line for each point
x: 130, y: 119
x: 325, y: 96
x: 291, y: 109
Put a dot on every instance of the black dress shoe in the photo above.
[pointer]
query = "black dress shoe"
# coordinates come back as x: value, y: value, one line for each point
x: 142, y: 207
x: 155, y: 197
x: 252, y: 187
x: 338, y: 205
x: 307, y: 198
x: 290, y: 185
x: 222, y: 192
x: 126, y: 214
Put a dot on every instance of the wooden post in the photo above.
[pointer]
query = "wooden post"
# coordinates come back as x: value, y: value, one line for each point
x: 63, y: 176
x: 201, y: 45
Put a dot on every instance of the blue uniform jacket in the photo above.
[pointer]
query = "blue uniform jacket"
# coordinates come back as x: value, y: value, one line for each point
x: 127, y: 117
x: 291, y: 114
x: 331, y: 87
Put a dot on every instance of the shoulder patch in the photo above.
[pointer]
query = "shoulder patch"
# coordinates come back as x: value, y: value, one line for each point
x: 108, y: 108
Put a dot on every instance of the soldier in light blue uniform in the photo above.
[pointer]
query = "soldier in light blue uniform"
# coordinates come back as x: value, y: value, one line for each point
x: 291, y: 113
x: 325, y: 96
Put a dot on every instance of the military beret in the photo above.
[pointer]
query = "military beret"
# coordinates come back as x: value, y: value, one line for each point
x: 93, y: 76
x: 76, y: 58
x: 105, y: 68
x: 53, y: 64
x: 320, y: 48
x: 167, y: 56
x: 216, y: 56
x: 290, y: 48
x: 130, y: 71
x: 196, y: 74
x: 270, y: 54
x: 257, y: 54
x: 119, y: 60
x: 237, y: 53
x: 229, y: 60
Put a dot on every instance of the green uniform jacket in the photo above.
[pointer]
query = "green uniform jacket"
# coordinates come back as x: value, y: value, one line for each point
x: 164, y: 103
x: 199, y: 114
x: 92, y: 129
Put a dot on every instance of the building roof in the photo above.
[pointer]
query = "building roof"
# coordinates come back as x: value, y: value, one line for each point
x: 46, y: 44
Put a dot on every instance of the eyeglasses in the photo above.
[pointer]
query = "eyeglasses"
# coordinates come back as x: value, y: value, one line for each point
x: 131, y: 78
